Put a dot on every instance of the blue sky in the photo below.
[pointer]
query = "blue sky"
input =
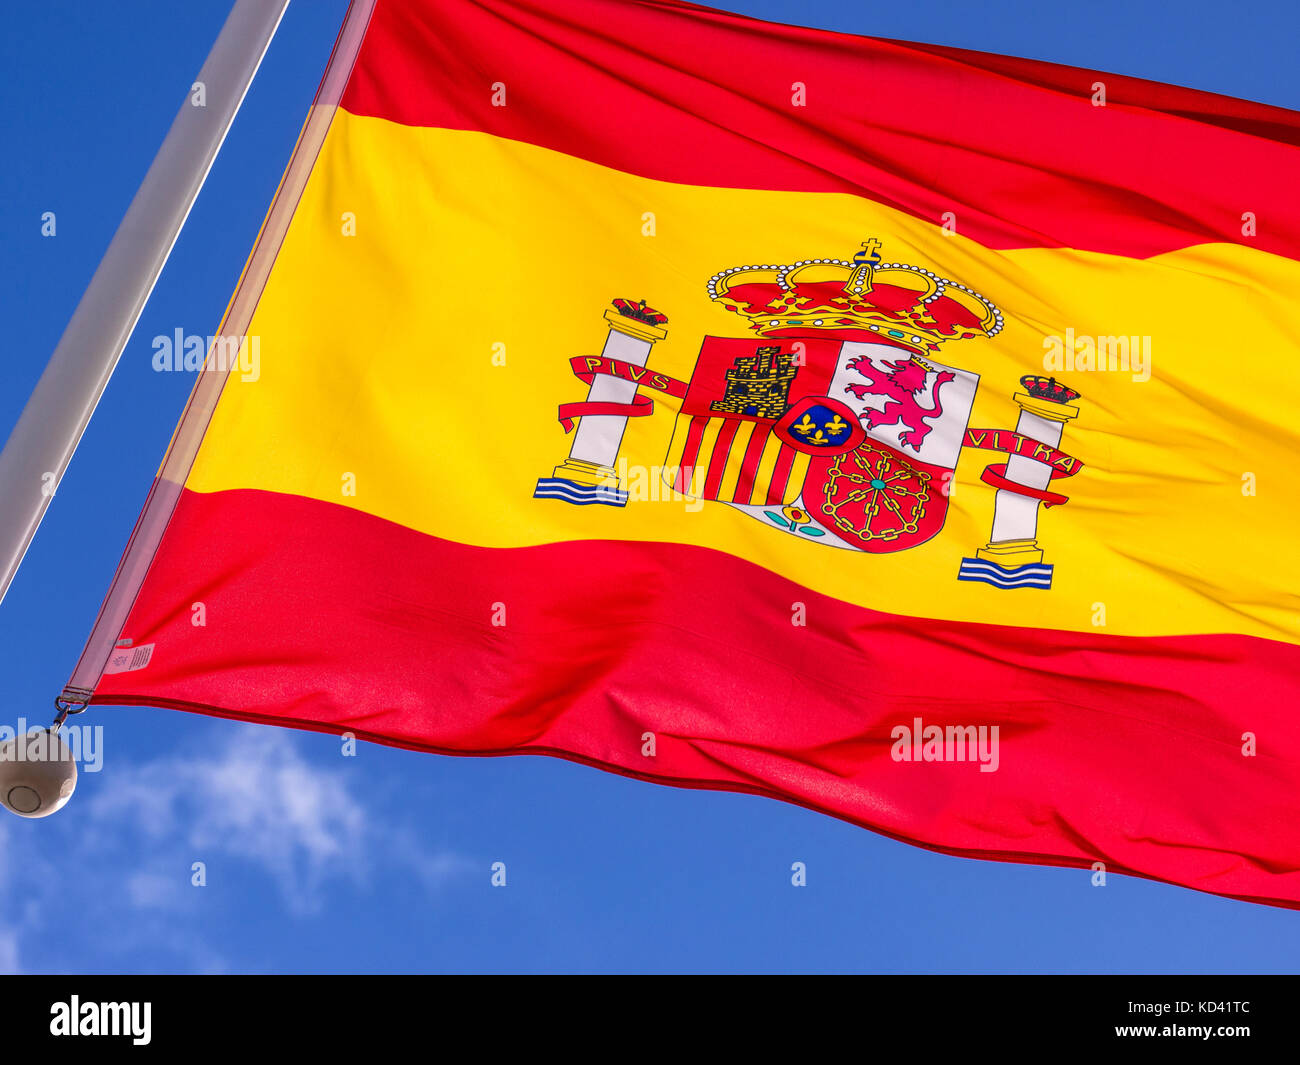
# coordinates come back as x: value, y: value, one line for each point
x: 316, y: 862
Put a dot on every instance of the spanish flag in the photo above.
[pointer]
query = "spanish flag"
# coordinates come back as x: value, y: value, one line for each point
x: 904, y: 432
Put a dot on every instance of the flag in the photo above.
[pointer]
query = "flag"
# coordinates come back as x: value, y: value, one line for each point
x: 899, y: 431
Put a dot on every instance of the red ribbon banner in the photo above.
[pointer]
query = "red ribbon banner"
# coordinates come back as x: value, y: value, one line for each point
x: 586, y: 368
x: 1010, y: 442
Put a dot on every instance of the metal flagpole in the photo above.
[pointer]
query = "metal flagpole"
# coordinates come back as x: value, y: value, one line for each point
x: 47, y: 433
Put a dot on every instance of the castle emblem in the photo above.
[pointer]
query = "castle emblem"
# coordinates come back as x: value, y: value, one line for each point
x: 759, y: 385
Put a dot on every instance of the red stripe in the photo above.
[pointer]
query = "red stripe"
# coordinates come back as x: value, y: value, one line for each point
x: 780, y: 475
x: 749, y: 464
x: 1115, y: 749
x: 718, y: 458
x: 690, y: 454
x: 1014, y: 148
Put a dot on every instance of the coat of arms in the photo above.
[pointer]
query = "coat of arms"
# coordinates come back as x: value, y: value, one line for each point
x: 834, y: 420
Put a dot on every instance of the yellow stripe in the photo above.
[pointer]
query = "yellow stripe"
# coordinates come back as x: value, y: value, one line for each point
x: 798, y: 471
x: 735, y: 458
x: 763, y: 475
x: 677, y: 446
x: 704, y: 460
x: 377, y: 360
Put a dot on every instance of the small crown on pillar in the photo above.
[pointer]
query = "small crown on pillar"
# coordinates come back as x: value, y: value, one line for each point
x: 1048, y: 388
x: 863, y: 299
x: 639, y: 311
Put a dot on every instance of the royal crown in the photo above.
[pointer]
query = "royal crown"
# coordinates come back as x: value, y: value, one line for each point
x: 640, y: 312
x: 863, y: 299
x: 1048, y: 388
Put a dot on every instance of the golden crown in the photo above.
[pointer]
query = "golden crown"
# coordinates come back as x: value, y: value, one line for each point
x: 863, y: 299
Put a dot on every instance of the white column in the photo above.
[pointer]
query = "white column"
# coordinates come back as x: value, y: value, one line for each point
x: 1013, y: 541
x: 590, y: 474
x: 598, y: 436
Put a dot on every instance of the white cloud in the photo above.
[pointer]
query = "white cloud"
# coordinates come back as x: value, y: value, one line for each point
x: 9, y: 953
x: 153, y: 889
x: 17, y: 871
x: 254, y: 798
x: 246, y: 801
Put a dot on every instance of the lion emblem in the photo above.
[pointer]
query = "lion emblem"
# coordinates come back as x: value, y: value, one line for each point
x: 908, y: 400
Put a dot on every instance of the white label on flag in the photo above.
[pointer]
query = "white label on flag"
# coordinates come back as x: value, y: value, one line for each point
x: 129, y: 659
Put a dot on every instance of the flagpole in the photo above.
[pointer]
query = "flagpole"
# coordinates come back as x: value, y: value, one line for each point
x: 42, y: 443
